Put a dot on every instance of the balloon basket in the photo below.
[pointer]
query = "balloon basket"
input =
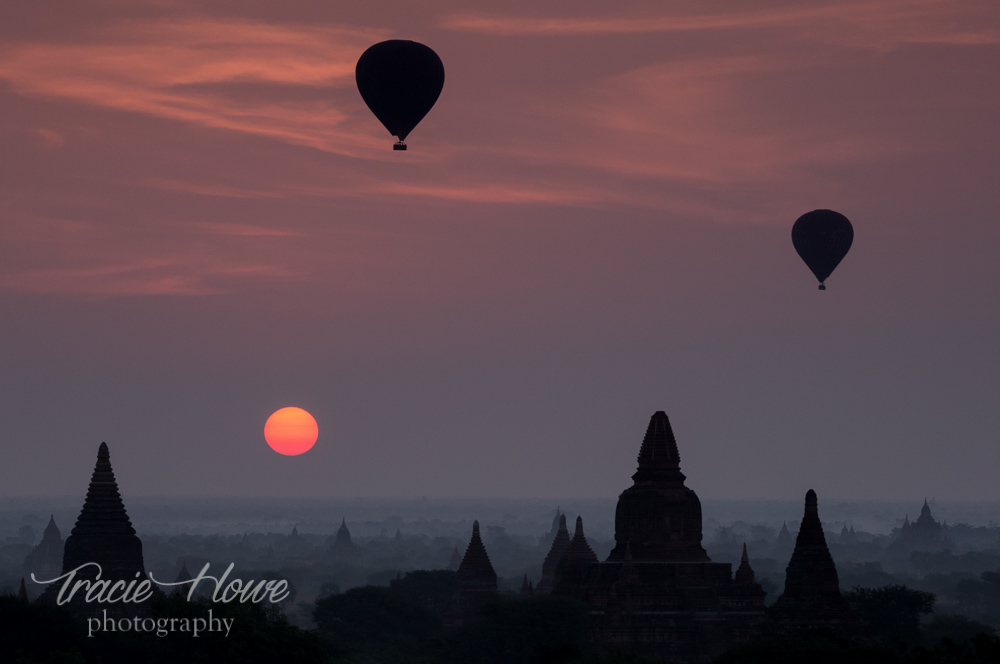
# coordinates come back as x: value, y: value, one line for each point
x: 822, y: 286
x: 399, y: 146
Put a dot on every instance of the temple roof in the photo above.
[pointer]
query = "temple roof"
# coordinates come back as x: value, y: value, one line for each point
x: 658, y: 455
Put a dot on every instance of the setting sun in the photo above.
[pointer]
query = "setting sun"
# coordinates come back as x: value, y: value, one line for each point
x: 291, y: 431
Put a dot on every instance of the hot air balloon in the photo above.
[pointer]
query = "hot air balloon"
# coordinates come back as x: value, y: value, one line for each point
x: 399, y: 80
x: 822, y: 238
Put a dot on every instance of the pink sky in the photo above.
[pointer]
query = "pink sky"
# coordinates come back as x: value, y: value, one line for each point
x: 203, y: 223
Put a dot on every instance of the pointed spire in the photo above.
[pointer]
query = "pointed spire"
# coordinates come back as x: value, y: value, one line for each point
x: 22, y: 592
x: 456, y: 560
x: 579, y: 548
x: 476, y: 573
x: 399, y: 535
x: 812, y: 588
x: 183, y: 576
x: 525, y: 588
x: 51, y: 530
x: 744, y: 573
x: 925, y: 513
x: 103, y: 532
x: 560, y: 545
x: 343, y: 534
x: 658, y: 455
x: 811, y: 572
x: 570, y: 570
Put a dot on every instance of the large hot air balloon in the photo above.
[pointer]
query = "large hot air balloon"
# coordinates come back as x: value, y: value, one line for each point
x: 822, y: 238
x: 399, y: 80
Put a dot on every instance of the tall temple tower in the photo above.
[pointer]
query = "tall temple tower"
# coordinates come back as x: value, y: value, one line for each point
x: 658, y: 516
x: 812, y: 596
x: 477, y: 580
x: 658, y: 594
x: 560, y: 545
x: 103, y: 533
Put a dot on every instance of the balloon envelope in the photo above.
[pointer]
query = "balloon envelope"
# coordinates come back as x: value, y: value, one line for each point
x: 822, y: 238
x: 399, y: 80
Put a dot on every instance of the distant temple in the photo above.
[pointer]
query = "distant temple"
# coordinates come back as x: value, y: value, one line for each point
x: 456, y: 560
x: 545, y: 541
x: 658, y: 594
x: 45, y: 560
x: 559, y: 547
x: 924, y: 534
x: 342, y: 549
x: 477, y: 581
x: 812, y: 598
x: 848, y: 537
x: 784, y: 544
x: 573, y: 564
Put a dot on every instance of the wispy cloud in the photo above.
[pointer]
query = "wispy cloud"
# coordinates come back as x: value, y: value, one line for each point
x: 215, y: 73
x: 874, y: 24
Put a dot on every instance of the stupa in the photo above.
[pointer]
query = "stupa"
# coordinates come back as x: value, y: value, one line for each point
x: 342, y: 549
x: 658, y: 594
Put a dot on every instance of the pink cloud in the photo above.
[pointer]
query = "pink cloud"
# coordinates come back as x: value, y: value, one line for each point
x: 875, y: 24
x: 180, y: 71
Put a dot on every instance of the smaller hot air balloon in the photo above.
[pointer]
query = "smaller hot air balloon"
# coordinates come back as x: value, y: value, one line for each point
x: 399, y: 80
x: 822, y: 238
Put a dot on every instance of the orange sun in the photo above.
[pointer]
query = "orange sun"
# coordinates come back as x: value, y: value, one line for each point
x: 291, y: 431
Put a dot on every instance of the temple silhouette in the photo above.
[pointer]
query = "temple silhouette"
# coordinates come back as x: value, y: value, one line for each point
x: 812, y: 600
x: 924, y: 534
x: 103, y: 534
x: 658, y: 593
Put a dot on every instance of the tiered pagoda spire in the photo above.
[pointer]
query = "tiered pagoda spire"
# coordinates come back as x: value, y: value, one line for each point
x: 812, y: 588
x: 744, y: 574
x: 658, y: 516
x: 103, y: 533
x: 477, y: 581
x: 571, y: 568
x: 475, y: 573
x: 560, y: 545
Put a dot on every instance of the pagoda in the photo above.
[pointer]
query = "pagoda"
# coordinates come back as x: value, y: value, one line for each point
x: 812, y: 599
x: 477, y: 581
x: 658, y: 594
x: 560, y: 545
x: 45, y: 560
x: 103, y: 533
x: 342, y: 549
x: 573, y: 564
x: 924, y: 534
